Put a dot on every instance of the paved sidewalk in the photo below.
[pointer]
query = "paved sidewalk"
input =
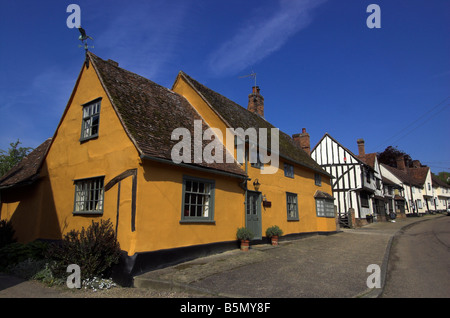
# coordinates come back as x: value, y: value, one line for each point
x: 317, y: 266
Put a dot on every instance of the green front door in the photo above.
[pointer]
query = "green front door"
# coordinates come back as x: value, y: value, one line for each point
x: 253, y: 213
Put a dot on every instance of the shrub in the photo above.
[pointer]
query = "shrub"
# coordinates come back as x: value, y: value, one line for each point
x: 244, y: 233
x: 94, y: 249
x: 274, y: 231
x: 15, y: 253
x: 6, y: 233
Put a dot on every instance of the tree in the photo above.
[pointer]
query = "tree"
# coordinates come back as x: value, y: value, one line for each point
x: 390, y: 154
x: 12, y: 156
x: 444, y: 176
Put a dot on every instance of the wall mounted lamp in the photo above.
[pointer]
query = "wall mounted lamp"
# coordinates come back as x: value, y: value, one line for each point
x: 256, y: 184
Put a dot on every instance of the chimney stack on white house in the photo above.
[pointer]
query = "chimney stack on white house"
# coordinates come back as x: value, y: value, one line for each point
x: 401, y: 163
x: 361, y: 147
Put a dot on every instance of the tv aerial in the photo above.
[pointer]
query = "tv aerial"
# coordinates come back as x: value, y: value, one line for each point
x: 253, y: 75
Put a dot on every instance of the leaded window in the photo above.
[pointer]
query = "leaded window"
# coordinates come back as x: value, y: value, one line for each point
x: 292, y: 206
x: 89, y: 195
x: 324, y: 208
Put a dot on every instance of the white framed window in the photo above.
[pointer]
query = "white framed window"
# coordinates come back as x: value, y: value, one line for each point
x: 89, y: 196
x: 419, y: 204
x: 198, y: 200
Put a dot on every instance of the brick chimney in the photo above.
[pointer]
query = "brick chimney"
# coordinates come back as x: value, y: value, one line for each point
x: 302, y: 141
x: 401, y: 163
x: 416, y: 164
x: 361, y: 147
x: 256, y: 102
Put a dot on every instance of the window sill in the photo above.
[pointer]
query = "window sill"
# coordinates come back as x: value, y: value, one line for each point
x: 197, y: 222
x: 88, y: 138
x: 88, y: 213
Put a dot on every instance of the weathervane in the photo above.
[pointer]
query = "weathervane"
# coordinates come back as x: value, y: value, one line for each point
x: 83, y: 38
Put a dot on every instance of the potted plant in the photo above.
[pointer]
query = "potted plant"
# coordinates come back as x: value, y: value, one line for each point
x: 274, y: 232
x: 244, y: 235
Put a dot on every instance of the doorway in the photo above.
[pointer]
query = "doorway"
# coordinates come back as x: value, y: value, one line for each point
x: 253, y: 214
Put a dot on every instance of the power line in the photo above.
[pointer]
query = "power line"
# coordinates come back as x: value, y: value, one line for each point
x: 422, y: 123
x: 415, y: 121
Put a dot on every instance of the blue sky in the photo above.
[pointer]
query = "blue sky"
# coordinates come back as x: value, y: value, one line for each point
x: 318, y: 65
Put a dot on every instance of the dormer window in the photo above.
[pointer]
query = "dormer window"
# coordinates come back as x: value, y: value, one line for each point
x: 91, y: 119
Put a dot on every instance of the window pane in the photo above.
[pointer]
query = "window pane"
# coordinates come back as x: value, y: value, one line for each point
x: 197, y: 196
x: 95, y: 121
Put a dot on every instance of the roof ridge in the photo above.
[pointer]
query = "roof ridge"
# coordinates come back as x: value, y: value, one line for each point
x: 245, y: 119
x: 149, y: 112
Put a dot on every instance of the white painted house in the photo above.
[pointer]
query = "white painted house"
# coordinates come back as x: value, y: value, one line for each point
x: 355, y: 182
x: 397, y: 191
x: 441, y: 194
x: 417, y: 183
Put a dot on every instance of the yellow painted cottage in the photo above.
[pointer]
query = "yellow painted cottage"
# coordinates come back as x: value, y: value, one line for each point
x: 111, y: 157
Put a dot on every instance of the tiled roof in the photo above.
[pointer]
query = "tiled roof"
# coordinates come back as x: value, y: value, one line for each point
x: 150, y: 112
x: 236, y: 116
x: 388, y: 181
x: 411, y: 176
x: 323, y: 195
x: 419, y: 175
x: 368, y: 158
x: 438, y: 182
x: 27, y: 170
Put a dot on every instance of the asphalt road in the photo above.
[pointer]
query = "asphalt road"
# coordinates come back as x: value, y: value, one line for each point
x: 419, y: 263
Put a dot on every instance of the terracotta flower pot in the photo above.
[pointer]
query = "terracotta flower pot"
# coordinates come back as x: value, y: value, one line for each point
x: 244, y: 245
x: 274, y: 240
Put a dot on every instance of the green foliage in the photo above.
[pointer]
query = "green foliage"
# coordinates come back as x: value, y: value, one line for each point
x: 15, y: 253
x: 11, y: 157
x: 444, y: 176
x: 274, y: 231
x: 94, y: 249
x: 244, y: 233
x: 6, y: 233
x: 390, y: 154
